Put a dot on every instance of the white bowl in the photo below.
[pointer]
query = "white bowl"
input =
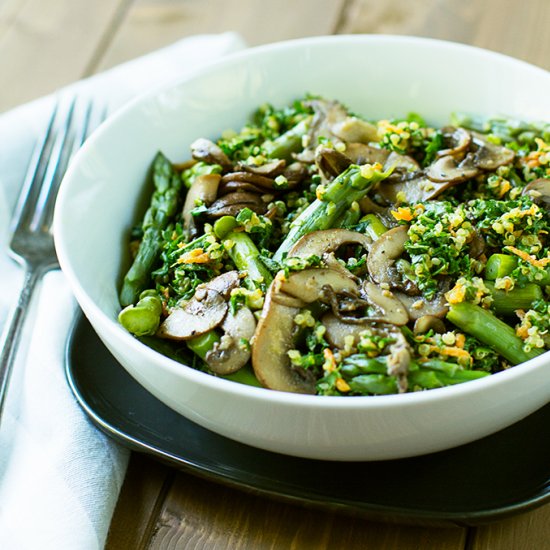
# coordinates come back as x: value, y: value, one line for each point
x: 377, y: 76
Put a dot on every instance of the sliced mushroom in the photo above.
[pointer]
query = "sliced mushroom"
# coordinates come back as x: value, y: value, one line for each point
x: 331, y: 162
x: 418, y: 306
x: 399, y: 360
x: 204, y: 312
x: 383, y: 253
x: 269, y: 169
x: 204, y: 189
x: 207, y: 151
x: 353, y: 129
x: 322, y: 242
x: 448, y: 169
x: 359, y: 153
x: 539, y: 191
x: 256, y: 179
x: 307, y: 285
x: 391, y: 310
x: 229, y: 355
x: 273, y: 339
x: 339, y: 333
x: 224, y: 283
x: 232, y: 203
x: 403, y: 163
x: 411, y: 191
x: 489, y: 156
x: 457, y: 139
x: 428, y: 322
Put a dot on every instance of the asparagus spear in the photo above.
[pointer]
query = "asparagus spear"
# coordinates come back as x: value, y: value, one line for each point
x: 351, y: 185
x: 507, y: 302
x: 290, y: 142
x: 368, y: 375
x: 163, y: 207
x: 243, y: 252
x: 490, y: 330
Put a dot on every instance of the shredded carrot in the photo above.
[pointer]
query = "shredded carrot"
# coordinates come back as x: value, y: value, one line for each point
x: 504, y: 188
x: 528, y: 257
x: 402, y: 213
x: 451, y: 351
x: 342, y: 385
x: 460, y: 340
x: 330, y: 361
x: 197, y: 256
x: 456, y: 294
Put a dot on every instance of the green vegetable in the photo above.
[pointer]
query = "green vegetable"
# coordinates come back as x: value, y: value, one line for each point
x: 243, y: 252
x: 162, y: 210
x: 371, y: 225
x: 290, y: 142
x: 143, y: 318
x: 350, y: 186
x: 490, y: 330
x: 202, y: 344
x: 507, y: 302
x: 500, y: 265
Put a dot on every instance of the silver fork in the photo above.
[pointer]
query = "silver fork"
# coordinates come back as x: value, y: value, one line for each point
x: 32, y: 243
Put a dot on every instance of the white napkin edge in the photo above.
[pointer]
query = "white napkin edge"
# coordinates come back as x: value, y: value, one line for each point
x: 40, y: 477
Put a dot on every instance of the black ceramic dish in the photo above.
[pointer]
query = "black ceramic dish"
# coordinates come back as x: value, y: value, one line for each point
x: 493, y: 478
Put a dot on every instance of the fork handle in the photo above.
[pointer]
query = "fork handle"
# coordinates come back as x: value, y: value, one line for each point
x: 14, y: 329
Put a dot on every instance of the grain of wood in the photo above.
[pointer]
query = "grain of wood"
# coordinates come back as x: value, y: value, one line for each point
x: 514, y: 28
x: 529, y: 531
x: 151, y: 24
x: 46, y: 44
x: 198, y: 514
x: 141, y: 497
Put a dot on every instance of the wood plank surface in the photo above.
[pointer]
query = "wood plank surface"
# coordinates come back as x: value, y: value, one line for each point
x: 46, y: 44
x: 519, y: 29
x: 153, y: 23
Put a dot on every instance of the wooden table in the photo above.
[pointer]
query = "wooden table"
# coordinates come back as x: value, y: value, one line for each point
x: 45, y: 44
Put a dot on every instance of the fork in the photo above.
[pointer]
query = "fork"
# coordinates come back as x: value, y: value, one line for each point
x: 32, y: 244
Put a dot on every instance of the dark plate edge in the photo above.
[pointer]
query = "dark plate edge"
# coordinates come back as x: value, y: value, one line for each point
x: 371, y: 512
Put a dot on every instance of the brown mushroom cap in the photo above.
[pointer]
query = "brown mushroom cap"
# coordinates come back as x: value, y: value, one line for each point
x: 207, y: 151
x: 232, y: 203
x: 448, y: 169
x: 458, y: 140
x: 383, y: 253
x: 356, y: 130
x: 418, y: 306
x: 489, y: 156
x: 539, y: 191
x: 338, y: 332
x: 392, y: 311
x: 229, y: 355
x: 325, y: 241
x: 272, y: 341
x: 428, y: 322
x: 205, y: 189
x: 204, y: 312
x: 307, y: 285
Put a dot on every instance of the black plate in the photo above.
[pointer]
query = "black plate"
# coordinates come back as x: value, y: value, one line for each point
x: 498, y: 476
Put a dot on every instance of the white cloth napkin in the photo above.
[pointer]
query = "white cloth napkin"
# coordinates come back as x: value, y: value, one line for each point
x: 59, y: 476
